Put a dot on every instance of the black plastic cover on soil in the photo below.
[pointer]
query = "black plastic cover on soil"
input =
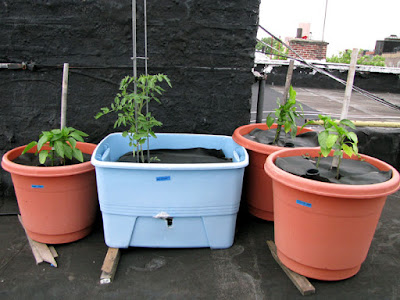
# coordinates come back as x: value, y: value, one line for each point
x: 31, y: 159
x: 354, y: 172
x: 181, y: 156
x: 307, y: 139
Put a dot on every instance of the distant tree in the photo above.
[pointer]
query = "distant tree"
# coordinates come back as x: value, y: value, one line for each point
x: 344, y: 57
x: 281, y: 51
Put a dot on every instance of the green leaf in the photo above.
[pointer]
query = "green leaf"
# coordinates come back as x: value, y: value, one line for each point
x: 81, y: 133
x: 352, y: 136
x: 348, y: 123
x: 56, y: 131
x: 325, y: 151
x: 322, y: 139
x: 355, y: 148
x: 44, y: 139
x: 68, y: 151
x: 348, y: 150
x: 287, y: 126
x: 76, y: 136
x: 331, y: 140
x: 43, y: 156
x: 29, y: 146
x: 56, y: 137
x: 270, y: 121
x: 338, y: 153
x: 98, y: 115
x: 72, y: 142
x: 77, y: 154
x: 59, y: 147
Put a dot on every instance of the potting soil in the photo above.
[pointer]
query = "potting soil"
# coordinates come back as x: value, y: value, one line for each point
x: 181, y: 156
x: 354, y: 172
x: 307, y: 139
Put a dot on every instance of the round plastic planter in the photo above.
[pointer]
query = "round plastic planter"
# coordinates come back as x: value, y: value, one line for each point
x: 57, y: 204
x: 257, y: 184
x: 324, y: 230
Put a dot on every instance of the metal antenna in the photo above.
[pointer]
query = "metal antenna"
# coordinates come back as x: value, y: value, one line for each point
x: 145, y: 67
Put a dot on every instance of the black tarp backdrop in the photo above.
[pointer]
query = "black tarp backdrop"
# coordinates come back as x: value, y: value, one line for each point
x: 205, y: 47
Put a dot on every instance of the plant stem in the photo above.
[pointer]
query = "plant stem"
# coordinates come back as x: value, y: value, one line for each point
x: 277, y: 134
x: 319, y: 159
x: 337, y: 168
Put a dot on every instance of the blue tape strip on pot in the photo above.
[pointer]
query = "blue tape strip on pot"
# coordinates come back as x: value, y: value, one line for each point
x: 36, y: 186
x: 303, y: 203
x: 163, y: 178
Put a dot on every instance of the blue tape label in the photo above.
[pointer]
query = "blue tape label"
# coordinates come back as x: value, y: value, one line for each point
x: 163, y: 178
x: 35, y: 186
x: 303, y: 203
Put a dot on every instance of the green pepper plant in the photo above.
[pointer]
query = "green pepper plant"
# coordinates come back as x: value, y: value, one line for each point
x: 336, y: 137
x: 129, y: 108
x: 62, y: 143
x: 285, y: 115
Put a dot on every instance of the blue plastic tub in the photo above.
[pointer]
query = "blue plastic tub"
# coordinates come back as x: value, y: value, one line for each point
x: 169, y: 205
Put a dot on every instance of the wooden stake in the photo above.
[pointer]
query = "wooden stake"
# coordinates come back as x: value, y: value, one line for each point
x: 64, y: 96
x: 301, y: 282
x: 288, y: 81
x: 109, y: 265
x: 349, y: 85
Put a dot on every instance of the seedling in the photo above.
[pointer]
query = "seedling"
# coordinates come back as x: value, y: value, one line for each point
x: 62, y: 143
x: 129, y: 108
x: 285, y: 115
x: 336, y: 137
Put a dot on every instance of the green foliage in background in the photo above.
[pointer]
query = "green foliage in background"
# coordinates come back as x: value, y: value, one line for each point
x: 281, y: 51
x: 344, y: 57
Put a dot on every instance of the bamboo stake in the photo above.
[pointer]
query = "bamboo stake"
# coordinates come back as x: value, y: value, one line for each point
x: 366, y: 123
x: 64, y: 96
x: 349, y: 85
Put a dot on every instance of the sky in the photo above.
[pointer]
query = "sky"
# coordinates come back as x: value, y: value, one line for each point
x: 349, y: 23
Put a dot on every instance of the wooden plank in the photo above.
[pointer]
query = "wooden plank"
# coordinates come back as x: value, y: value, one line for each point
x: 40, y: 251
x: 301, y: 282
x: 53, y: 251
x: 110, y: 265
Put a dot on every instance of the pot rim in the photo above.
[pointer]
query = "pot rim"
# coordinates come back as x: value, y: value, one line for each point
x: 238, y: 137
x: 23, y: 170
x: 327, y: 188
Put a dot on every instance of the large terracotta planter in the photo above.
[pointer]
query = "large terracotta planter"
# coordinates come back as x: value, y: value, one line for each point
x: 324, y: 230
x: 57, y: 204
x: 258, y: 184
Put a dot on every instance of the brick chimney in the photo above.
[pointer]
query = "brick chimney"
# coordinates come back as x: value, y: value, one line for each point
x: 309, y: 49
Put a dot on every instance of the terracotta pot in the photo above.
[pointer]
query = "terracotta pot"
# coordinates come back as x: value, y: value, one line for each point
x: 324, y: 230
x: 257, y: 184
x: 57, y: 204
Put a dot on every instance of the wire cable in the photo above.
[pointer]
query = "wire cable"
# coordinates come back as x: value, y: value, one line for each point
x: 355, y: 88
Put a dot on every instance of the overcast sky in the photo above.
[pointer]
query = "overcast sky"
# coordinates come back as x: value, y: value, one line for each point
x: 349, y: 23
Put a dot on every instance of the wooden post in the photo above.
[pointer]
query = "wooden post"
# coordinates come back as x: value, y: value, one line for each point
x: 349, y: 85
x: 260, y: 99
x: 64, y: 96
x: 288, y: 81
